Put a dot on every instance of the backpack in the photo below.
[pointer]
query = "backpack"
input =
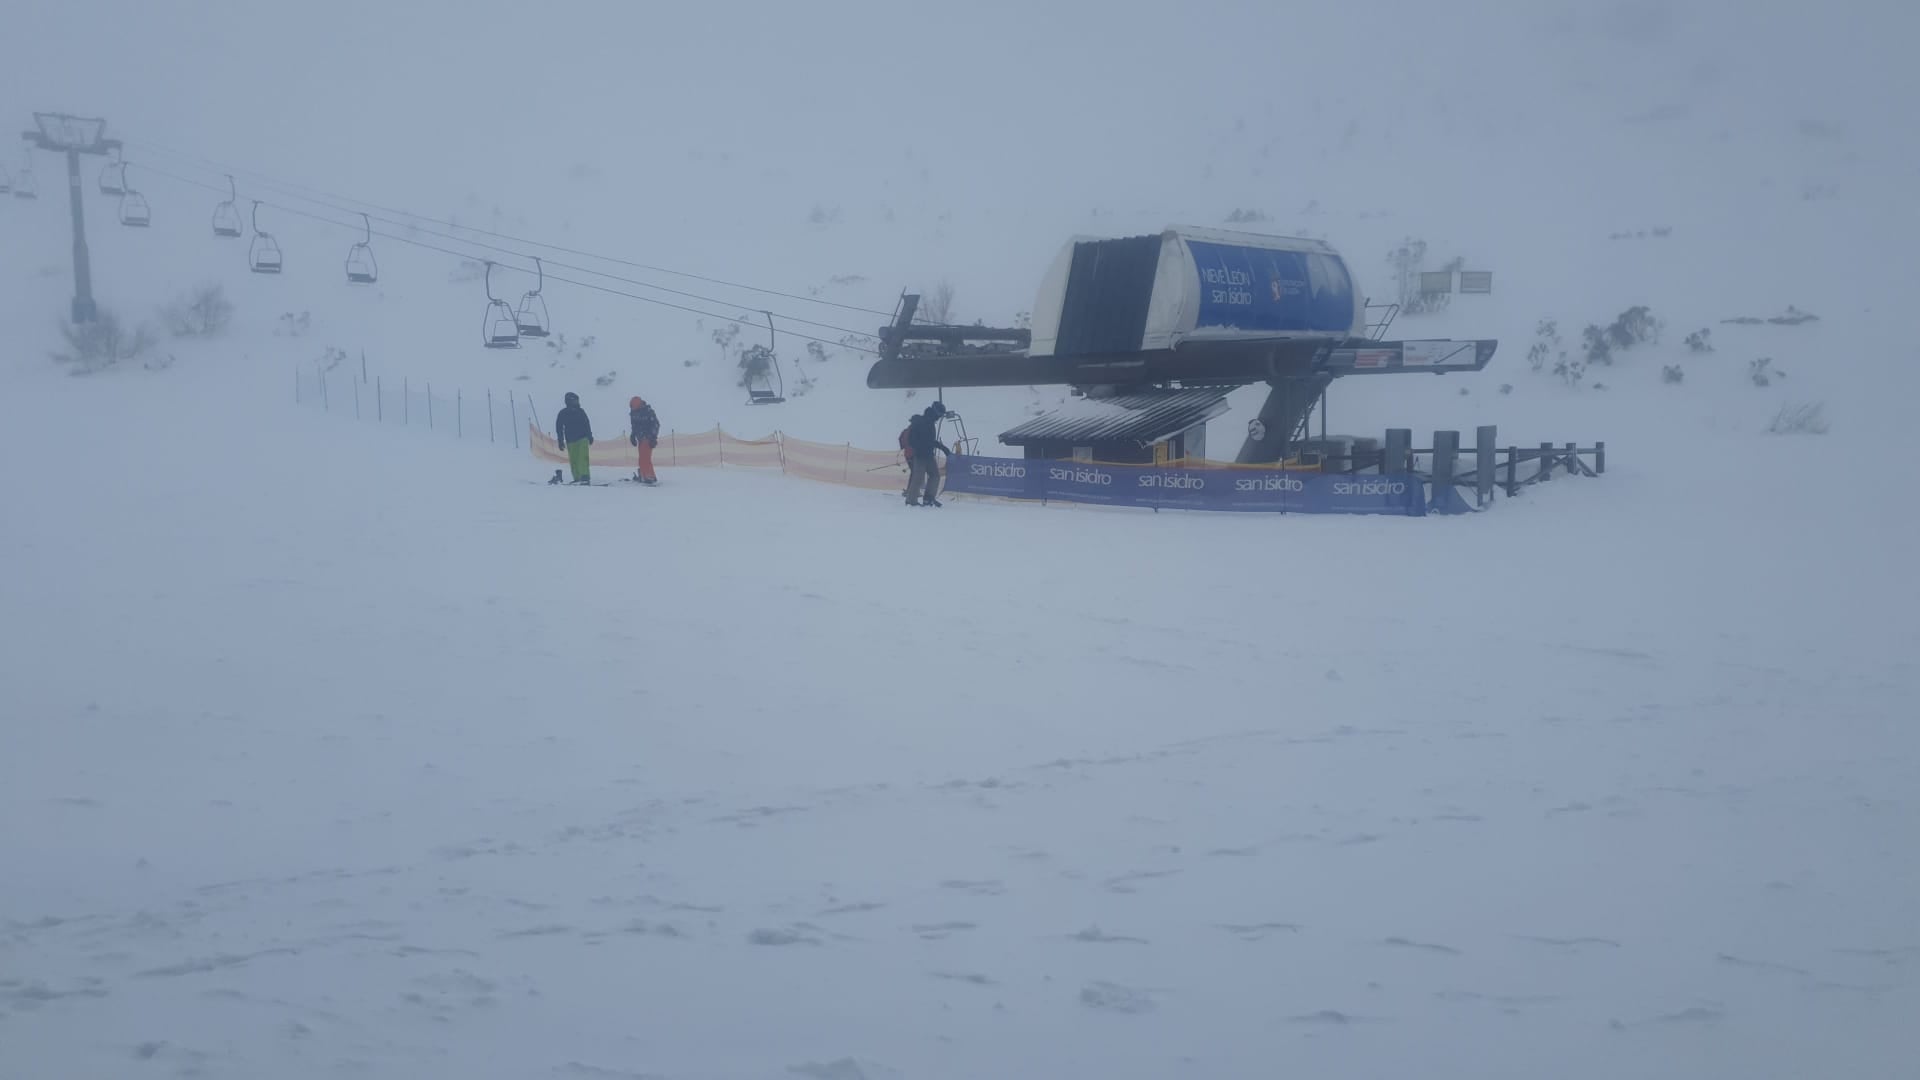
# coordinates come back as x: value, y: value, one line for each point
x: 906, y: 442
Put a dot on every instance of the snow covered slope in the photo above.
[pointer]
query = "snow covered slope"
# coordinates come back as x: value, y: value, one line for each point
x: 339, y: 749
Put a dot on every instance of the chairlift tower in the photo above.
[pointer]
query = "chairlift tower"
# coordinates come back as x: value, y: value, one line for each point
x: 74, y: 135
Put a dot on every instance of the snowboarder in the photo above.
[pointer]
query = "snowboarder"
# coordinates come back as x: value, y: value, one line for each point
x: 923, y: 473
x: 645, y: 436
x: 574, y: 432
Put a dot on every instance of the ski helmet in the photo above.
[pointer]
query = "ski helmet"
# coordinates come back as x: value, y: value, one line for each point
x: 635, y: 402
x: 573, y: 398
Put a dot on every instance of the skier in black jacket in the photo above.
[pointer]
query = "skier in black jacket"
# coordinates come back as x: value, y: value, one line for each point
x: 923, y: 473
x: 575, y: 432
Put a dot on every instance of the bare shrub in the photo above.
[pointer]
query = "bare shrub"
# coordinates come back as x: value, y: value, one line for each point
x: 104, y: 343
x: 204, y: 312
x: 1799, y: 418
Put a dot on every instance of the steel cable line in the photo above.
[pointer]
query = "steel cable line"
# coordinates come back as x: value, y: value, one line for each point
x: 722, y: 301
x: 317, y: 195
x: 468, y: 256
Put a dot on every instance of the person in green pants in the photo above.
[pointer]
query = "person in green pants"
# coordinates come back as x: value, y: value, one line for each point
x: 575, y: 433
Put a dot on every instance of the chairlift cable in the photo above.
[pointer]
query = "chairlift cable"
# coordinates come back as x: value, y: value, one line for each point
x: 321, y: 197
x: 468, y: 256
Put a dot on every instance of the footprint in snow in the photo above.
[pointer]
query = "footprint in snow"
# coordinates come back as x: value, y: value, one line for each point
x: 780, y: 936
x: 978, y: 888
x: 1125, y: 882
x: 964, y: 976
x: 1259, y: 931
x: 1423, y: 946
x: 1113, y: 997
x: 1093, y: 935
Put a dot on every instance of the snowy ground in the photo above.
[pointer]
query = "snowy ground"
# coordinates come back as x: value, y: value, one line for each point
x: 366, y: 756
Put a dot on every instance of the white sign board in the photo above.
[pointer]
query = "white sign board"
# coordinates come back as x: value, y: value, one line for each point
x: 1436, y: 353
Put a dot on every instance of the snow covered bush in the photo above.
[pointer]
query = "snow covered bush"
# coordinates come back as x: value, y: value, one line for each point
x: 1546, y: 342
x: 1700, y: 341
x: 291, y: 325
x: 1634, y: 326
x: 204, y: 312
x: 1799, y: 418
x: 96, y: 346
x: 1762, y: 372
x: 1672, y: 375
x: 1599, y: 347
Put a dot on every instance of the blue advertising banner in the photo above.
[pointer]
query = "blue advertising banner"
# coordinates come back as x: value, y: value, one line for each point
x: 1249, y: 288
x: 1246, y: 490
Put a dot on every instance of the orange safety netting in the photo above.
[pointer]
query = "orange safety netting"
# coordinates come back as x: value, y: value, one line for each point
x: 832, y: 463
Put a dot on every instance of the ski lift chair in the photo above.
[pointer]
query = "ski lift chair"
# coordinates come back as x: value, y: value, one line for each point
x: 263, y: 255
x: 531, y: 319
x: 768, y: 387
x: 113, y: 176
x: 500, y: 327
x: 361, y: 267
x: 134, y: 211
x: 226, y: 219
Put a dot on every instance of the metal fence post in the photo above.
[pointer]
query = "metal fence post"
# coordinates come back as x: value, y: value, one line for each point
x: 379, y: 401
x: 513, y: 416
x: 363, y: 365
x: 356, y: 399
x: 324, y: 405
x: 489, y: 414
x: 1483, y: 451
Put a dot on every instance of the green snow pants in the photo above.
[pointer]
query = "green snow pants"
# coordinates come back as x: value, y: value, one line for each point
x: 577, y: 457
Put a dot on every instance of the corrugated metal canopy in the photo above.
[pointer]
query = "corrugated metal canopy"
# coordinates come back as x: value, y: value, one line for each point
x: 1144, y: 416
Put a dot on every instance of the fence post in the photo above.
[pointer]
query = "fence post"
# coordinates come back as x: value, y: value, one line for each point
x: 356, y: 399
x: 513, y: 416
x: 1483, y: 451
x: 1573, y: 459
x: 429, y: 406
x: 673, y: 447
x: 363, y: 365
x: 379, y: 402
x: 325, y: 406
x: 720, y: 439
x: 459, y: 415
x: 1600, y: 458
x: 1546, y: 461
x: 489, y: 414
x: 1446, y: 453
x: 1513, y: 466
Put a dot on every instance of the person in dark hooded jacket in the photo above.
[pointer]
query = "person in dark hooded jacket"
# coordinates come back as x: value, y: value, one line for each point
x: 923, y: 473
x: 645, y: 436
x: 575, y: 432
